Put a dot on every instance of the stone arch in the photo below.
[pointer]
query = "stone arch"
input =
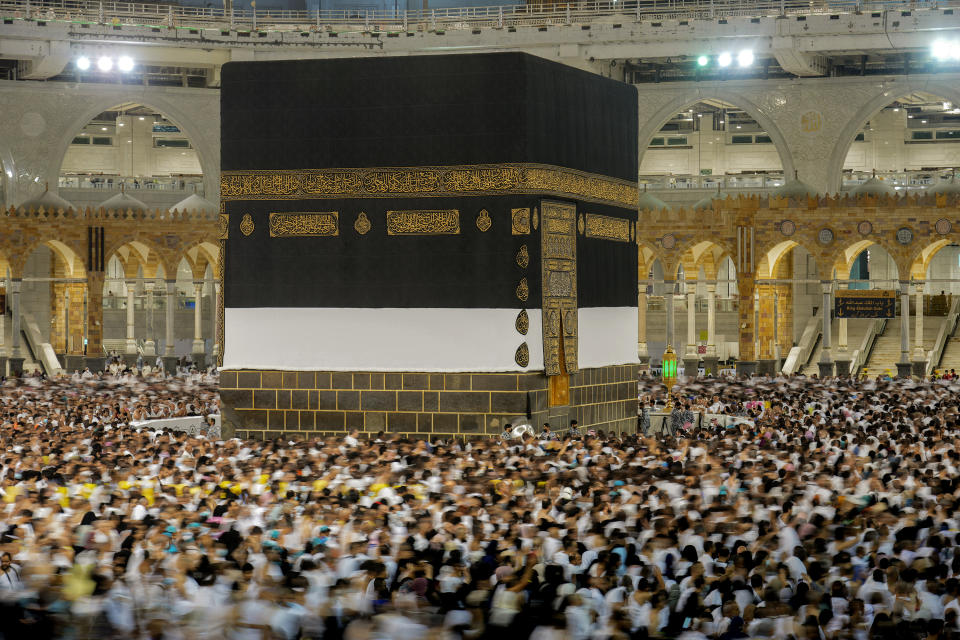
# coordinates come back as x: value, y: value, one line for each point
x: 67, y: 252
x: 180, y: 117
x: 142, y: 250
x: 884, y: 96
x: 920, y: 262
x: 772, y: 252
x: 689, y: 253
x: 202, y: 253
x: 844, y: 258
x: 651, y: 125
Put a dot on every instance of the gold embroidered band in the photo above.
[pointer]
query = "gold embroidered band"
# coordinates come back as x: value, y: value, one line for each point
x: 391, y: 182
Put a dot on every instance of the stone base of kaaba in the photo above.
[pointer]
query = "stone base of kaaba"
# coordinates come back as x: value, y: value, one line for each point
x: 305, y: 404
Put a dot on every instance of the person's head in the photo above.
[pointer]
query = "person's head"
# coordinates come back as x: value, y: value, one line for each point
x: 5, y: 560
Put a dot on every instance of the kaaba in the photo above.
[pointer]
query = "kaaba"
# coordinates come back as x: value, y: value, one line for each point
x: 427, y: 245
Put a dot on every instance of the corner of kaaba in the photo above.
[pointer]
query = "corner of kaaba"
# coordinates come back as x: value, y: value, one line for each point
x: 428, y: 245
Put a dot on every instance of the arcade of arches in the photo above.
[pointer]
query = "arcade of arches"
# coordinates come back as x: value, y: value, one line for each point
x: 780, y: 261
x: 80, y: 284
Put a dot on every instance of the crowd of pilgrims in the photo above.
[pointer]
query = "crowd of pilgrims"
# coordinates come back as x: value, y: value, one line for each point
x: 827, y: 511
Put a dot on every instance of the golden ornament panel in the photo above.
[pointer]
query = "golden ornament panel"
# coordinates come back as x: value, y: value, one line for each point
x: 484, y: 221
x: 423, y: 222
x: 607, y: 228
x: 522, y: 322
x: 300, y: 224
x: 362, y: 224
x: 246, y: 224
x: 520, y: 221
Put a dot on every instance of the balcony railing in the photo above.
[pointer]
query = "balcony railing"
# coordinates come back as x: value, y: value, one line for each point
x: 900, y: 180
x: 188, y: 184
x: 395, y: 20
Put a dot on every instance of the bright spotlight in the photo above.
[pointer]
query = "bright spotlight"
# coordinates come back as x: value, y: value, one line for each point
x: 745, y: 58
x: 83, y: 63
x: 105, y: 64
x: 945, y: 50
x: 125, y: 63
x: 702, y: 61
x: 724, y: 59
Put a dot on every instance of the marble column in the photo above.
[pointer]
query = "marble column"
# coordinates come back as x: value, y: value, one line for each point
x: 919, y: 354
x: 15, y: 286
x: 691, y: 352
x: 668, y: 308
x: 775, y: 352
x: 149, y: 346
x: 131, y: 348
x: 710, y: 359
x: 904, y: 366
x: 218, y: 304
x: 171, y: 304
x: 198, y: 346
x: 642, y: 351
x: 66, y: 320
x: 15, y: 359
x: 826, y: 362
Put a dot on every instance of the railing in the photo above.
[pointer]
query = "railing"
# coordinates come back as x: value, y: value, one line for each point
x: 946, y: 330
x: 164, y: 15
x: 800, y: 354
x: 904, y: 181
x: 724, y: 305
x: 113, y: 183
x: 690, y: 182
x: 98, y: 213
x: 860, y: 356
x: 42, y: 352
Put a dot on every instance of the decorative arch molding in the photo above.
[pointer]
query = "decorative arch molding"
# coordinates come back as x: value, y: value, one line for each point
x: 885, y: 93
x: 8, y: 174
x: 651, y: 124
x: 208, y: 157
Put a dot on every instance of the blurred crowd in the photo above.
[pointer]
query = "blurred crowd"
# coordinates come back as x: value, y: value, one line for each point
x: 827, y: 513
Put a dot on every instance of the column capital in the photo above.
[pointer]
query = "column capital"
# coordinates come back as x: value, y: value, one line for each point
x: 712, y: 287
x: 826, y: 286
x: 691, y: 287
x: 15, y: 285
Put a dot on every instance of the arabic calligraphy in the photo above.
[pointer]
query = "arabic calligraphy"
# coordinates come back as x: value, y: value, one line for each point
x: 391, y: 182
x: 425, y: 222
x: 608, y: 228
x: 865, y: 303
x: 297, y: 224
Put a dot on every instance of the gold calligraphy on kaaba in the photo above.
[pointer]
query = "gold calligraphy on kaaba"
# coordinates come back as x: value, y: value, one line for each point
x: 520, y: 221
x: 558, y: 264
x: 522, y: 323
x: 299, y: 224
x: 522, y: 355
x: 425, y: 222
x: 391, y: 182
x: 607, y: 228
x: 223, y: 226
